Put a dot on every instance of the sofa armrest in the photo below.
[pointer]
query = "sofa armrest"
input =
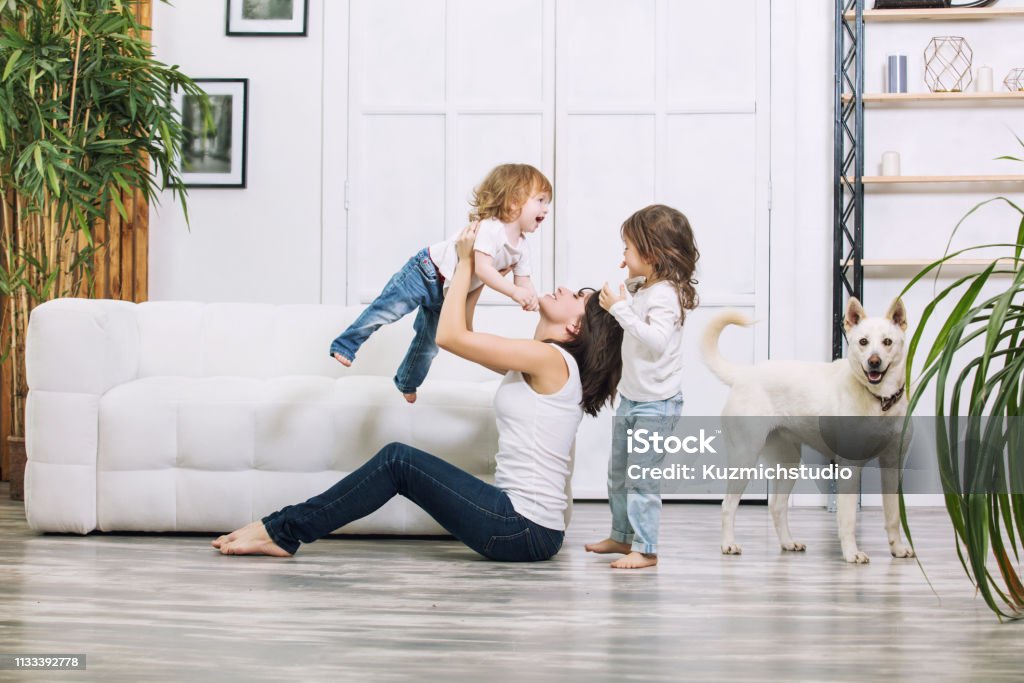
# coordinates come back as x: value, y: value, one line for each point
x: 76, y: 350
x: 81, y: 346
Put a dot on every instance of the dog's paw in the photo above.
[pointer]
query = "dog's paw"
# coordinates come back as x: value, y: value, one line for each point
x: 857, y: 558
x: 732, y: 549
x: 900, y: 550
x: 793, y: 546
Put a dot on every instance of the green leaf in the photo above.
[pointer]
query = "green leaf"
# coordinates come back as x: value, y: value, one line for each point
x: 54, y: 183
x: 12, y: 61
x: 116, y: 197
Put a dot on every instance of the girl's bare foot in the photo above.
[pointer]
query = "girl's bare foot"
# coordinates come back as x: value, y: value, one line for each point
x: 344, y: 361
x: 411, y: 398
x: 251, y: 539
x: 608, y: 546
x: 635, y: 560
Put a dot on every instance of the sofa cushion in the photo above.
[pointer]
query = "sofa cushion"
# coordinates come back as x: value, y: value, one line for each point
x: 263, y: 341
x: 194, y: 453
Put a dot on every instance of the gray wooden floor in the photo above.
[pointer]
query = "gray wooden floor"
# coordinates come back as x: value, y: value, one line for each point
x: 170, y: 608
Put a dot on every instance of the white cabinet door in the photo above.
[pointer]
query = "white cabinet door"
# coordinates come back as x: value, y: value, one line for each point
x: 440, y: 92
x: 621, y: 103
x: 665, y: 101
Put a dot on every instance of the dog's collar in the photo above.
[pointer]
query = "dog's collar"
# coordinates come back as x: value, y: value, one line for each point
x: 889, y: 401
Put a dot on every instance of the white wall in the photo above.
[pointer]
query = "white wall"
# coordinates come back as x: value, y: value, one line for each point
x: 261, y: 243
x: 267, y: 243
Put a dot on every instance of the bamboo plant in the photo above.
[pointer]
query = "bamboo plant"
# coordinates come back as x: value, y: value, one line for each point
x: 85, y: 119
x: 980, y: 440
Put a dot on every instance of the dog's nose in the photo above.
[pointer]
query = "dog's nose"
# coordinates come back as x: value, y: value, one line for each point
x: 874, y: 362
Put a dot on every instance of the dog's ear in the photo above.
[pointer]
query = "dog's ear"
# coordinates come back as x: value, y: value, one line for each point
x: 854, y: 314
x: 897, y: 314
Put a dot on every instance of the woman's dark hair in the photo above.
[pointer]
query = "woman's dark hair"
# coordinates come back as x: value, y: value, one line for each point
x: 597, y: 348
x: 663, y: 237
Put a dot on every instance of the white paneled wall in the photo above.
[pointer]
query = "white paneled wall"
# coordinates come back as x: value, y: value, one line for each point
x: 399, y: 107
x: 441, y: 91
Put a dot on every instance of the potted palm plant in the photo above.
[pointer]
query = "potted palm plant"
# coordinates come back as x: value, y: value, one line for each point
x: 85, y: 120
x: 978, y: 409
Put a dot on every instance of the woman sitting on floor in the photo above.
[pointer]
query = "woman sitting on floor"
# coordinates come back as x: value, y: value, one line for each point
x: 570, y: 367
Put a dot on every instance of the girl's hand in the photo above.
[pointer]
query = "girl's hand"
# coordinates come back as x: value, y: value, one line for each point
x: 608, y: 298
x: 464, y: 244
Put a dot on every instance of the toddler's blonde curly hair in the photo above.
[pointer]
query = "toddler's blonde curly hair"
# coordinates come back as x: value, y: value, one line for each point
x: 505, y: 190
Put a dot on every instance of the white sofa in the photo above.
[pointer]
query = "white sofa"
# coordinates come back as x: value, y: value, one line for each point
x: 168, y: 416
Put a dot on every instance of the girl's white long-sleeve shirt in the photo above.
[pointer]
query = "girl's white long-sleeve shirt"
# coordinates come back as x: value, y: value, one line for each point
x: 652, y: 350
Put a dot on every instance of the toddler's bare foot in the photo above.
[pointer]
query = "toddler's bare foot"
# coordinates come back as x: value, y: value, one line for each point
x: 411, y: 398
x: 607, y: 546
x: 251, y: 539
x: 635, y: 560
x: 344, y: 361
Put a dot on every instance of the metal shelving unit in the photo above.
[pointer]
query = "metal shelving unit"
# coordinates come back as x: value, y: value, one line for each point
x: 850, y: 100
x: 848, y: 164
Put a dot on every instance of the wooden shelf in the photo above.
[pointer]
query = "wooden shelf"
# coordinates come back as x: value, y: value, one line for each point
x: 905, y: 268
x: 914, y: 97
x: 949, y: 14
x: 921, y: 263
x: 933, y: 179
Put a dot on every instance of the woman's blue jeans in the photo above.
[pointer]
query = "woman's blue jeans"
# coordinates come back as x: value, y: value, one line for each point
x: 473, y: 511
x: 416, y: 285
x: 636, y: 503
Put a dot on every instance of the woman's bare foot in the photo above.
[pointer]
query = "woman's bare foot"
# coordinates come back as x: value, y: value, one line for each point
x: 411, y: 398
x: 251, y: 539
x: 344, y: 361
x: 635, y: 560
x: 221, y: 540
x: 607, y: 546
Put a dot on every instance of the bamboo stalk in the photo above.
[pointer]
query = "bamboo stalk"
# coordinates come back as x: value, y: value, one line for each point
x: 128, y: 249
x: 21, y: 305
x: 74, y: 79
x: 140, y: 262
x: 114, y: 250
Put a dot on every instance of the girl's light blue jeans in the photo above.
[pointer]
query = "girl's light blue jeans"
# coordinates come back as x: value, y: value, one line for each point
x: 636, y: 503
x: 416, y: 285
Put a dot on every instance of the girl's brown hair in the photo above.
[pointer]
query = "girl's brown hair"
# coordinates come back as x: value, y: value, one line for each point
x: 597, y: 349
x: 505, y: 190
x: 664, y: 239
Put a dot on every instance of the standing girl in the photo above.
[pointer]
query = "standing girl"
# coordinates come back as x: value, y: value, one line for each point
x: 661, y: 257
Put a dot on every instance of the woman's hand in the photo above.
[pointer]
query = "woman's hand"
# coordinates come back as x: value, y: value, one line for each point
x: 464, y: 244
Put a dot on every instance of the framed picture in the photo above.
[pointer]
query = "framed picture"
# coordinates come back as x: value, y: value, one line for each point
x: 267, y: 17
x: 214, y: 155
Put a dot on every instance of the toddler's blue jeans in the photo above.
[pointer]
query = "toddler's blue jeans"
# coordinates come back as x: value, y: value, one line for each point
x: 416, y: 285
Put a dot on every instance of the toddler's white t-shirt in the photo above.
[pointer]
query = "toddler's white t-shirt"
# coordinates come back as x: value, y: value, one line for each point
x: 491, y: 239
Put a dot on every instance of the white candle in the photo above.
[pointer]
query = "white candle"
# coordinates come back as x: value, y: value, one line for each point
x: 984, y: 83
x: 890, y: 163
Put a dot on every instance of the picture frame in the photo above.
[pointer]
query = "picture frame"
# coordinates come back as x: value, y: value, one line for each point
x: 216, y: 158
x: 267, y: 17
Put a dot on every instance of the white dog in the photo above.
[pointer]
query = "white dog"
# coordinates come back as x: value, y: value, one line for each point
x: 789, y: 398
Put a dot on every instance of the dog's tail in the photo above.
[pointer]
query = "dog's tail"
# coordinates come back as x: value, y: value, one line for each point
x: 725, y: 370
